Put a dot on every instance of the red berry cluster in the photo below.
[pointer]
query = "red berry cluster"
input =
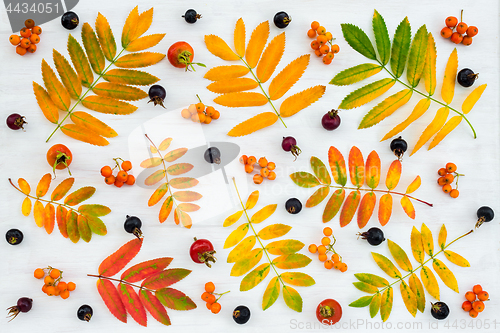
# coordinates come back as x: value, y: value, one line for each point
x: 266, y: 170
x: 209, y: 297
x: 448, y: 175
x: 462, y: 28
x: 53, y: 284
x: 122, y: 177
x: 320, y: 44
x: 30, y: 36
x: 325, y: 248
x: 475, y: 300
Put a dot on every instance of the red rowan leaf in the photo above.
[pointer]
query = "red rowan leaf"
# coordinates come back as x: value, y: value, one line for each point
x: 165, y: 278
x: 133, y: 304
x: 145, y: 269
x: 112, y: 299
x: 154, y: 306
x: 118, y: 260
x: 175, y: 299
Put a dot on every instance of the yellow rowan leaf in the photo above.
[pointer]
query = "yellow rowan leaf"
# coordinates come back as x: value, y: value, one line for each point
x: 68, y: 75
x: 218, y: 47
x: 165, y: 144
x: 84, y: 134
x: 143, y: 24
x: 232, y: 219
x: 271, y: 57
x: 299, y: 101
x: 429, y: 73
x: 429, y: 281
x: 427, y: 240
x: 252, y: 200
x: 384, y: 109
x: 119, y: 91
x: 417, y: 247
x: 443, y: 233
x: 408, y: 207
x: 456, y: 258
x: 25, y: 187
x: 26, y: 207
x: 260, y: 121
x: 264, y: 213
x: 58, y: 94
x: 399, y: 256
x: 450, y: 125
x: 288, y: 76
x: 257, y: 43
x: 415, y: 184
x: 95, y: 125
x: 94, y: 52
x: 445, y: 274
x: 145, y: 42
x: 246, y: 263
x: 139, y: 59
x: 80, y: 61
x: 232, y: 85
x: 39, y: 213
x: 450, y: 76
x: 435, y: 125
x: 241, y: 249
x: 61, y: 189
x: 130, y: 27
x: 108, y: 105
x: 366, y: 93
x: 226, y: 72
x: 49, y: 109
x: 106, y: 38
x: 130, y: 76
x: 241, y: 99
x: 236, y: 236
x: 418, y: 111
x: 418, y: 289
x: 43, y: 185
x: 239, y: 37
x: 409, y: 298
x: 473, y: 97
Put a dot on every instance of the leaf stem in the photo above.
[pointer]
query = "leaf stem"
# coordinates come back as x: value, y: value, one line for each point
x: 121, y: 281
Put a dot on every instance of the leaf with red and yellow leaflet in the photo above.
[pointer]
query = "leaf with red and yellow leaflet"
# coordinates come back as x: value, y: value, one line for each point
x: 288, y: 77
x: 298, y: 279
x: 241, y: 99
x: 183, y: 182
x: 61, y: 214
x: 386, y: 304
x: 450, y: 74
x: 106, y: 38
x: 356, y: 167
x: 226, y: 72
x: 318, y: 196
x: 263, y: 214
x: 418, y: 289
x: 286, y: 246
x: 292, y: 298
x: 299, y: 101
x: 108, y: 105
x: 429, y: 281
x: 418, y: 111
x: 473, y: 97
x: 57, y: 92
x: 79, y: 195
x: 94, y: 52
x: 154, y: 306
x: 450, y: 125
x: 427, y: 240
x: 165, y: 209
x: 271, y: 58
x: 409, y: 298
x: 132, y: 303
x: 43, y: 185
x: 232, y: 219
x: 112, y: 299
x: 386, y: 265
x: 188, y: 207
x: 145, y: 42
x: 456, y: 258
x: 252, y: 200
x: 333, y: 205
x: 175, y: 299
x: 219, y: 48
x: 337, y: 164
x: 49, y: 109
x: 175, y: 154
x: 260, y: 121
x: 256, y: 44
x: 61, y: 189
x: 119, y: 259
x: 84, y: 229
x: 415, y: 184
x: 236, y: 236
x: 179, y: 169
x: 320, y: 170
x: 50, y: 217
x: 349, y: 208
x: 384, y: 209
x: 158, y: 194
x: 130, y: 27
x: 72, y: 226
x: 26, y: 206
x: 241, y: 249
x: 393, y: 175
x: 151, y: 162
x: 96, y: 225
x: 139, y: 59
x: 304, y: 179
x: 83, y: 119
x: 187, y: 196
x: 255, y: 277
x: 408, y: 207
x: 80, y: 61
x: 183, y: 218
x: 271, y: 294
x: 436, y: 124
x: 68, y: 76
x: 24, y: 185
x: 155, y: 177
x: 232, y: 85
x: 400, y: 256
x: 274, y: 231
x: 445, y: 274
x: 119, y: 91
x: 366, y: 208
x: 417, y: 247
x: 165, y: 278
x: 84, y: 134
x: 372, y: 170
x: 247, y: 262
x: 289, y: 261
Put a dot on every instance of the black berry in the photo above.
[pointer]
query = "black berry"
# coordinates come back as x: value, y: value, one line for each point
x: 290, y: 144
x: 157, y: 94
x: 484, y: 214
x: 466, y: 77
x: 84, y: 312
x: 282, y: 20
x: 439, y: 310
x: 191, y: 16
x: 293, y: 206
x: 15, y: 121
x: 212, y: 155
x: 399, y: 147
x: 330, y: 120
x: 24, y: 304
x: 374, y: 236
x: 241, y: 314
x: 14, y: 236
x: 70, y: 20
x: 133, y: 225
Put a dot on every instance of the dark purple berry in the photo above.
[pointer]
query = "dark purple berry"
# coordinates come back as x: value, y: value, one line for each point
x: 212, y: 155
x: 331, y: 120
x: 157, y: 94
x: 439, y: 310
x: 484, y: 214
x: 466, y: 77
x: 293, y: 206
x: 133, y: 225
x: 290, y: 144
x: 24, y: 304
x: 374, y: 236
x: 16, y: 121
x: 191, y: 16
x: 241, y: 314
x: 70, y: 20
x: 282, y: 20
x: 84, y: 313
x: 399, y: 147
x: 14, y: 236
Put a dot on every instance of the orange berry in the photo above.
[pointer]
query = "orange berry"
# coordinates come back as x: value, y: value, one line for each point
x: 122, y: 176
x: 313, y: 248
x: 209, y: 305
x: 311, y: 33
x: 36, y: 30
x: 325, y: 241
x: 462, y: 28
x: 55, y: 273
x: 29, y: 23
x: 48, y: 280
x: 326, y: 60
x: 71, y: 286
x: 192, y: 108
x: 243, y: 159
x: 34, y: 39
x: 441, y: 181
x: 257, y: 179
x: 335, y: 258
x: 110, y: 180
x: 262, y: 162
x: 483, y: 296
x: 447, y: 188
x: 185, y: 114
x: 314, y: 45
x: 248, y: 168
x: 467, y: 40
x: 446, y: 32
x: 321, y: 249
x: 202, y: 117
x: 472, y: 31
x: 467, y: 306
x: 449, y: 178
x: 25, y: 42
x: 64, y: 294
x: 31, y: 48
x: 318, y: 53
x: 130, y: 180
x: 478, y: 306
x: 343, y: 267
x: 473, y: 313
x: 264, y: 172
x: 25, y: 32
x: 215, y: 308
x: 442, y: 172
x: 14, y: 39
x: 470, y: 296
x: 39, y: 273
x: 314, y: 25
x: 323, y: 257
x: 456, y: 38
x: 454, y: 193
x: 327, y: 231
x: 251, y: 160
x: 118, y: 183
x: 335, y: 48
x: 205, y: 296
x: 451, y: 21
x: 106, y: 171
x: 324, y: 49
x: 51, y: 290
x: 321, y: 30
x: 329, y: 35
x: 21, y: 50
x: 272, y: 175
x: 215, y: 115
x: 209, y: 287
x: 330, y: 55
x: 477, y: 289
x: 44, y: 288
x: 322, y: 39
x: 200, y: 107
x: 126, y: 165
x: 450, y: 167
x: 195, y: 118
x: 271, y: 165
x: 211, y: 298
x: 62, y: 286
x: 337, y: 264
x: 208, y: 120
x: 328, y: 264
x: 210, y: 110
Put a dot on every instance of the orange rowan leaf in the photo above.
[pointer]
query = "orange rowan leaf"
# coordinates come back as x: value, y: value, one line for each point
x: 130, y: 27
x: 25, y: 187
x: 356, y: 167
x: 350, y: 207
x: 232, y: 85
x: 288, y: 76
x: 119, y: 91
x: 72, y: 226
x: 39, y: 213
x: 61, y: 214
x: 120, y: 258
x: 132, y: 303
x: 274, y: 231
x: 84, y: 134
x: 450, y: 125
x: 218, y: 47
x: 220, y: 73
x: 183, y: 182
x: 408, y: 207
x: 145, y: 42
x: 241, y: 99
x: 473, y: 97
x: 174, y: 154
x: 50, y: 216
x: 143, y: 24
x: 256, y: 44
x: 271, y: 58
x: 415, y: 184
x: 299, y: 101
x: 333, y: 205
x: 384, y: 209
x: 79, y: 195
x: 393, y: 175
x: 49, y: 109
x: 130, y: 76
x: 68, y: 75
x: 372, y: 169
x: 158, y: 194
x: 183, y: 218
x: 154, y: 306
x: 108, y: 105
x: 165, y: 209
x: 112, y: 299
x: 61, y: 189
x: 93, y: 48
x: 84, y: 229
x: 418, y: 111
x: 450, y: 75
x: 435, y: 125
x: 57, y: 92
x: 317, y: 197
x: 337, y: 164
x: 139, y: 59
x: 174, y: 299
x: 26, y: 206
x: 366, y: 208
x: 43, y: 185
x: 239, y: 37
x: 260, y: 121
x: 188, y: 207
x: 80, y: 61
x: 106, y: 38
x: 84, y: 119
x: 187, y: 196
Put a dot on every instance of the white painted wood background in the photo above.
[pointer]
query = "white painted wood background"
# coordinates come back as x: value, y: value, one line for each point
x: 23, y: 155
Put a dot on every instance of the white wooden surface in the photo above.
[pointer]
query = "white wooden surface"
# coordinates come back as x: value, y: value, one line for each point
x: 23, y: 155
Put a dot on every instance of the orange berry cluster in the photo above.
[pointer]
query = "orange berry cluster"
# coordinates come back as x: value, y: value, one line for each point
x: 320, y: 44
x: 324, y: 250
x: 122, y: 177
x: 266, y: 170
x: 448, y: 175
x: 199, y: 114
x: 30, y: 36
x: 462, y: 28
x: 475, y: 301
x: 53, y: 284
x: 209, y: 297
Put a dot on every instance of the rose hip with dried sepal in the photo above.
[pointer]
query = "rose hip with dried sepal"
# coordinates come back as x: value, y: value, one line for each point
x: 24, y: 304
x: 331, y: 120
x: 290, y: 144
x: 202, y: 252
x: 15, y: 121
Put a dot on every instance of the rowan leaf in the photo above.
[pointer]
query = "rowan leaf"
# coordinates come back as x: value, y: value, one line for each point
x: 263, y: 213
x: 145, y: 42
x: 366, y: 208
x: 187, y: 196
x: 304, y: 179
x: 155, y: 177
x: 175, y: 299
x: 442, y: 237
x: 361, y: 302
x: 382, y: 40
x: 239, y: 37
x: 219, y: 48
x: 445, y: 274
x: 26, y: 206
x: 427, y: 241
x: 72, y: 226
x: 83, y: 119
x: 256, y: 44
x: 375, y: 304
x: 252, y: 200
x: 130, y: 27
x: 236, y: 236
x: 333, y: 205
x: 450, y: 125
x: 358, y: 40
x: 400, y: 47
x: 158, y: 194
x: 24, y: 185
x: 247, y: 262
x: 154, y: 306
x: 232, y: 219
x: 188, y: 207
x: 151, y: 162
x: 393, y: 175
x: 385, y: 108
x: 399, y: 256
x: 429, y: 281
x: 108, y: 105
x: 292, y: 298
x: 119, y: 91
x: 68, y: 76
x: 472, y: 98
x: 456, y: 258
x: 337, y: 165
x: 174, y: 154
x: 165, y: 144
x: 106, y: 37
x: 320, y: 170
x: 429, y: 73
x: 367, y: 288
x: 132, y: 303
x: 43, y: 185
x: 220, y: 73
x: 417, y: 247
x: 416, y: 59
x: 450, y: 75
x: 271, y: 293
x: 288, y: 77
x: 80, y: 61
x: 61, y: 214
x: 271, y: 58
x: 112, y: 299
x: 120, y: 258
x: 372, y: 279
x: 241, y: 249
x: 349, y: 208
x: 386, y: 265
x: 165, y: 278
x: 386, y: 304
x: 384, y: 209
x: 96, y: 225
x: 408, y: 207
x: 274, y: 231
x: 84, y: 229
x: 57, y: 92
x: 366, y: 93
x: 232, y: 85
x: 241, y: 99
x: 409, y: 298
x: 255, y: 277
x: 179, y: 169
x: 139, y: 59
x: 260, y: 121
x: 297, y: 279
x: 50, y: 217
x: 93, y: 48
x: 61, y: 189
x: 418, y: 289
x: 183, y: 182
x: 415, y: 184
x: 165, y: 209
x: 372, y: 170
x: 143, y: 24
x: 289, y: 261
x: 299, y: 101
x: 317, y: 197
x: 435, y: 125
x: 81, y: 133
x: 79, y: 195
x: 129, y: 76
x: 356, y: 167
x: 418, y: 111
x: 287, y: 246
x: 183, y: 218
x: 355, y: 74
